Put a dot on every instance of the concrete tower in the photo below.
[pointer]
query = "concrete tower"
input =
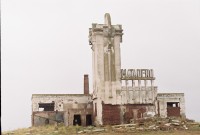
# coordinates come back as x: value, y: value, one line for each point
x: 105, y: 40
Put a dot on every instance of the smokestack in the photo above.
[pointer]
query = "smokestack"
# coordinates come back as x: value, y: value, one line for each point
x: 86, y: 85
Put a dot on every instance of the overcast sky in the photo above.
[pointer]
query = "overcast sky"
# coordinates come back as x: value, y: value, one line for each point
x: 45, y: 48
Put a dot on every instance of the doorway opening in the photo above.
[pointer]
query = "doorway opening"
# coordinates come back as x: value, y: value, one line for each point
x: 173, y: 109
x: 77, y: 120
x: 88, y: 120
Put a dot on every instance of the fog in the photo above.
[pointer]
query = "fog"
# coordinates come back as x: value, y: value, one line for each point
x: 45, y: 48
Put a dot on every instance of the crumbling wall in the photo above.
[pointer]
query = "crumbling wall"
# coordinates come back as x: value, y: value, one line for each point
x: 130, y: 95
x: 97, y: 111
x: 77, y: 109
x: 105, y: 40
x: 69, y: 104
x: 70, y: 113
x: 137, y: 87
x: 59, y: 100
x: 170, y: 104
x: 118, y: 114
x: 45, y: 118
x: 111, y: 114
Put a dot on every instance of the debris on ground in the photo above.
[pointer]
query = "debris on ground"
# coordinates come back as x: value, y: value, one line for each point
x: 91, y: 129
x: 136, y: 126
x: 155, y: 123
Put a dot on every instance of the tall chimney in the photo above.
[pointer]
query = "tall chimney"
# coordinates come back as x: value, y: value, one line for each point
x: 86, y: 85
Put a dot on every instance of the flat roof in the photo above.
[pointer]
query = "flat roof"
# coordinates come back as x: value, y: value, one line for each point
x: 60, y: 95
x: 161, y: 95
x: 170, y: 93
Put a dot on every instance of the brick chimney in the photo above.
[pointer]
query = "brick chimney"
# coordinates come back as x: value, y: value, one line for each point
x: 86, y: 85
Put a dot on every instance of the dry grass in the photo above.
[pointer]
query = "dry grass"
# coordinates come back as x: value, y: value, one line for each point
x: 72, y: 130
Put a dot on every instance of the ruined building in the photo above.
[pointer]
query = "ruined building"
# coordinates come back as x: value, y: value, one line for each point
x: 119, y: 95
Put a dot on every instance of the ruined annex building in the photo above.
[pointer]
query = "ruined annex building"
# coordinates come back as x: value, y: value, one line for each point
x: 119, y: 95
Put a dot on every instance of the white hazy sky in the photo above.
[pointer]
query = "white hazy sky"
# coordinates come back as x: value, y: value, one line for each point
x: 45, y: 48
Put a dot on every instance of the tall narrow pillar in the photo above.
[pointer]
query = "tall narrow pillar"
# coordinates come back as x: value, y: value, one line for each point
x: 105, y: 40
x: 86, y: 85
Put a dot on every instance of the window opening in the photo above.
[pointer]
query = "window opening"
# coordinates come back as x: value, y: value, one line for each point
x: 46, y: 106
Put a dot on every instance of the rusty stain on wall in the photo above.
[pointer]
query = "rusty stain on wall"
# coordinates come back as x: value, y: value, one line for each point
x: 119, y: 95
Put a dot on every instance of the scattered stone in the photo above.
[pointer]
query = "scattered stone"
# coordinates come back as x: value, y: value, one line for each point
x: 176, y: 124
x: 140, y: 128
x: 132, y: 128
x: 185, y: 127
x: 153, y: 127
x: 120, y: 130
x: 98, y: 130
x: 90, y: 127
x: 80, y: 132
x: 164, y: 128
x: 129, y: 125
x: 168, y: 124
x: 87, y: 131
x: 175, y: 121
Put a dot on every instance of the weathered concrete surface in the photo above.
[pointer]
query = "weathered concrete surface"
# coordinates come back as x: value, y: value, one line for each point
x: 113, y: 85
x: 174, y: 98
x: 137, y: 87
x: 119, y: 95
x: 105, y: 40
x: 118, y: 114
x: 69, y: 104
x: 48, y: 117
x: 60, y: 100
x: 111, y: 114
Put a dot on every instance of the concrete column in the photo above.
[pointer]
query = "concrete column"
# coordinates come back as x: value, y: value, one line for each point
x: 105, y: 40
x: 145, y: 83
x: 139, y: 84
x: 127, y: 91
x: 133, y: 85
x: 109, y: 74
x: 152, y: 84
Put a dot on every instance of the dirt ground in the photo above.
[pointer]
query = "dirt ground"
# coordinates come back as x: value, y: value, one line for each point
x: 62, y: 130
x: 155, y: 133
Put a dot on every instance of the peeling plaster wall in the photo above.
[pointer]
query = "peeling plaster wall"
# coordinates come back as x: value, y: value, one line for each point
x: 105, y: 43
x: 39, y: 118
x: 136, y: 95
x: 163, y: 98
x: 105, y: 40
x: 69, y: 104
x: 120, y: 114
x: 59, y: 100
x: 97, y: 111
x: 118, y: 94
x: 69, y: 116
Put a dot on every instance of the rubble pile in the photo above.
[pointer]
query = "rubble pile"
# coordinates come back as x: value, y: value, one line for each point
x: 91, y: 129
x: 155, y: 123
x: 145, y: 124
